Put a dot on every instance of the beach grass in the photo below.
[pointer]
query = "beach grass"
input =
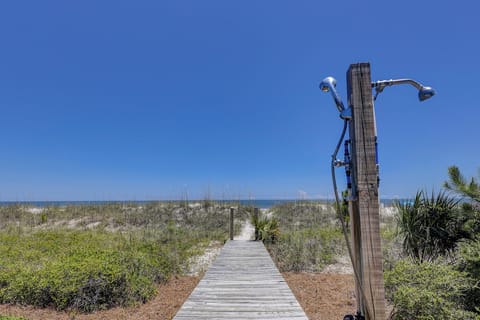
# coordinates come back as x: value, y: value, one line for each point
x: 93, y: 257
x: 309, y: 238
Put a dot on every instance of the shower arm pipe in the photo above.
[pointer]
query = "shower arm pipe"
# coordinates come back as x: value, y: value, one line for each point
x: 338, y: 100
x: 380, y: 85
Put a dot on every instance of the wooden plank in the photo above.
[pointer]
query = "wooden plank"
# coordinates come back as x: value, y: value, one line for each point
x: 242, y: 283
x: 365, y: 210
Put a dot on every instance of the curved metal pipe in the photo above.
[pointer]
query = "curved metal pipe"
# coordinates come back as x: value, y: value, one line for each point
x: 424, y: 92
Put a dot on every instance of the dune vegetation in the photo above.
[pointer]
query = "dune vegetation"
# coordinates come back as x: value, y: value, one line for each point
x: 306, y: 236
x: 431, y: 248
x: 91, y: 257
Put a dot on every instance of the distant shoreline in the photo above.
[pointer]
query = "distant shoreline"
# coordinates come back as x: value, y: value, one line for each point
x: 262, y: 204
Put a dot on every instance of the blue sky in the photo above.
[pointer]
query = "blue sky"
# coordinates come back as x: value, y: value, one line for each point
x: 144, y: 100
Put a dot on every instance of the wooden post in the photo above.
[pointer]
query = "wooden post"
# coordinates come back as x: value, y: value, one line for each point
x: 231, y: 222
x: 364, y: 209
x: 255, y: 217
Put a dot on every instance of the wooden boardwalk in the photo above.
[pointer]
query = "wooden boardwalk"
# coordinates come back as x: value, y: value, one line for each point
x: 242, y: 283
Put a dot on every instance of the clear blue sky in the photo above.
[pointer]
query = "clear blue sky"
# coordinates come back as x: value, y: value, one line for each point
x: 104, y: 100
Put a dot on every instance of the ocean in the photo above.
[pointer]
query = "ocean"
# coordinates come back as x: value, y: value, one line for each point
x: 262, y: 204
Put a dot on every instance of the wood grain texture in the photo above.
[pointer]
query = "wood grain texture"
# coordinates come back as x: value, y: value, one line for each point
x: 365, y: 211
x: 242, y: 283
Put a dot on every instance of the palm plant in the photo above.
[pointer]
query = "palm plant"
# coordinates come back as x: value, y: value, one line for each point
x: 469, y: 191
x: 461, y: 186
x: 269, y: 230
x: 266, y: 228
x: 430, y: 226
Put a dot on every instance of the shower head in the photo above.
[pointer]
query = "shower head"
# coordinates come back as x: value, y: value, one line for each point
x: 329, y: 84
x: 424, y: 92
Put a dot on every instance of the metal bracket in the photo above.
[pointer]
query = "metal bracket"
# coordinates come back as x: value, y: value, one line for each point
x: 346, y: 114
x: 339, y: 163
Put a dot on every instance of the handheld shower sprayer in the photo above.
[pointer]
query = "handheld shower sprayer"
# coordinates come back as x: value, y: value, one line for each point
x: 329, y: 85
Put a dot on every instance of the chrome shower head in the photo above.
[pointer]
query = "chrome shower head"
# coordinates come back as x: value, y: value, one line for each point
x: 329, y: 84
x: 424, y: 92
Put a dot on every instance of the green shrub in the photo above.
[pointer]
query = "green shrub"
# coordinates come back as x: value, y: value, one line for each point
x: 82, y: 270
x: 12, y: 318
x: 469, y: 262
x: 427, y: 291
x: 90, y: 257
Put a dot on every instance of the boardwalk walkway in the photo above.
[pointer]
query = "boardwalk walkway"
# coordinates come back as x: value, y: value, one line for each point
x: 242, y: 283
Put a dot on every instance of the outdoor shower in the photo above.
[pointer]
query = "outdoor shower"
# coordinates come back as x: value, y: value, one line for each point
x: 362, y: 177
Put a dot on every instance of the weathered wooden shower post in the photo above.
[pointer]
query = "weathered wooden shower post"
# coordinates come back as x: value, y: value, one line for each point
x: 364, y: 209
x: 361, y: 169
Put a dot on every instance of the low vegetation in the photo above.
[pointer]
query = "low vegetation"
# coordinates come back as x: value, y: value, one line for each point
x: 438, y: 274
x: 308, y: 236
x: 431, y: 248
x: 85, y: 270
x: 94, y: 257
x: 427, y: 290
x: 266, y: 228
